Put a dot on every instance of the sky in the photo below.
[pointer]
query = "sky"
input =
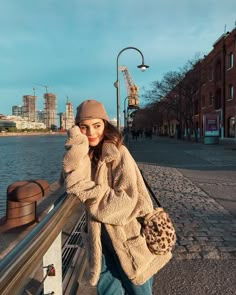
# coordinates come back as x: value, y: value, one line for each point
x: 71, y: 46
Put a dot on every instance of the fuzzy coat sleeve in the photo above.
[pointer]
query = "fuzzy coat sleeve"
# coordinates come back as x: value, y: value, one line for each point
x: 76, y: 166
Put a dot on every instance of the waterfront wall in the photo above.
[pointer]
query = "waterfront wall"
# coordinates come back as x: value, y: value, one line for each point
x: 30, y: 133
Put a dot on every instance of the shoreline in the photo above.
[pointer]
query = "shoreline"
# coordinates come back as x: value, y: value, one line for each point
x: 10, y: 134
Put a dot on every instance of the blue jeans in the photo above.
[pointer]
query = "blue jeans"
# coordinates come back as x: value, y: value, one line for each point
x: 114, y: 281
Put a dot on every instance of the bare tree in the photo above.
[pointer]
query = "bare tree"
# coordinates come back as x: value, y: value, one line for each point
x: 175, y: 96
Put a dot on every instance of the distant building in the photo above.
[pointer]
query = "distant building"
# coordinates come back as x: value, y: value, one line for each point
x: 17, y: 111
x: 67, y: 119
x: 6, y: 124
x: 69, y: 116
x: 216, y: 95
x: 214, y: 92
x: 40, y: 116
x: 113, y: 122
x: 50, y: 110
x: 62, y: 124
x: 21, y: 123
x: 29, y: 108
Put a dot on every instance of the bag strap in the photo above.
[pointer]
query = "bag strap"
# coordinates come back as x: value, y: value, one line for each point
x: 150, y: 190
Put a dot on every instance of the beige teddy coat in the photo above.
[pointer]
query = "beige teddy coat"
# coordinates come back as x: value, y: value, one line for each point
x: 116, y: 197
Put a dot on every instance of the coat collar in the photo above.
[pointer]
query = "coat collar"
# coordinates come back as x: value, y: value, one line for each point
x: 109, y: 152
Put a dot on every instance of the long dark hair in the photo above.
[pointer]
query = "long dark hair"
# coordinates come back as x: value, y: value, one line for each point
x: 111, y: 134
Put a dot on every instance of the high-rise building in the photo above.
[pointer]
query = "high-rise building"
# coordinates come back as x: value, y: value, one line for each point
x: 69, y: 116
x: 67, y: 119
x: 17, y: 111
x: 40, y: 116
x: 62, y: 121
x: 50, y: 110
x: 29, y: 108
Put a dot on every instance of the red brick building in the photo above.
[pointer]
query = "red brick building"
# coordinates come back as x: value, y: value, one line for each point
x: 217, y: 93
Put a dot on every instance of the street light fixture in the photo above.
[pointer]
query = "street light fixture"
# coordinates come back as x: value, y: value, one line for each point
x: 143, y: 67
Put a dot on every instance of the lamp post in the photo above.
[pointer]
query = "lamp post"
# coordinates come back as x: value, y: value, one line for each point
x: 143, y: 67
x: 125, y: 113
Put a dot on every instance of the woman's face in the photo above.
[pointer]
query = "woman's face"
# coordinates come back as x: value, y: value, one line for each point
x: 93, y: 129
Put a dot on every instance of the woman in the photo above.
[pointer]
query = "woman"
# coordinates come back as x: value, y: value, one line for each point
x: 99, y: 170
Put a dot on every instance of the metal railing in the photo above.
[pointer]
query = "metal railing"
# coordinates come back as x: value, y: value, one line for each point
x: 21, y: 262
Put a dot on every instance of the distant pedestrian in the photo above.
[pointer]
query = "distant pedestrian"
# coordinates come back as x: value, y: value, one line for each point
x: 148, y: 133
x: 100, y: 171
x: 134, y: 134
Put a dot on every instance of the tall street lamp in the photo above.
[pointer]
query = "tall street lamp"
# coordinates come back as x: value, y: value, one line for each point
x: 143, y: 67
x: 125, y: 112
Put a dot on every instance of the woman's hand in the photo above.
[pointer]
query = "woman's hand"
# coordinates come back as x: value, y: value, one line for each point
x: 75, y: 136
x: 77, y: 148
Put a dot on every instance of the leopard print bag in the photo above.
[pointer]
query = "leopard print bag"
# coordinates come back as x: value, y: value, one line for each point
x: 157, y: 227
x: 158, y: 231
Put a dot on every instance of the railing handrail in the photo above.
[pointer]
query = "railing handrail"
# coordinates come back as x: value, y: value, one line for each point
x: 23, y: 260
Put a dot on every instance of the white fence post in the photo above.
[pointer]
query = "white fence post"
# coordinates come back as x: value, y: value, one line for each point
x: 54, y: 256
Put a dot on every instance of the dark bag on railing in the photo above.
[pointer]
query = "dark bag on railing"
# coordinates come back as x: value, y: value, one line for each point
x: 158, y: 228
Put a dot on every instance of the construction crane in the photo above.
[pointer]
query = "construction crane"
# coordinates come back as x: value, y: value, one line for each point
x: 132, y: 89
x: 45, y: 86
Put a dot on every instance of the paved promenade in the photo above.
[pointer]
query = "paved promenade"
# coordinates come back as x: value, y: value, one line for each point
x: 205, y: 229
x: 196, y: 183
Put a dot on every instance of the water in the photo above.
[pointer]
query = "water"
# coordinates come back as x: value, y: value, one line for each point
x: 29, y: 157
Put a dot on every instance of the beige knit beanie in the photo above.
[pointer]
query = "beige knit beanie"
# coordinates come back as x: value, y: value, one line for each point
x: 90, y: 109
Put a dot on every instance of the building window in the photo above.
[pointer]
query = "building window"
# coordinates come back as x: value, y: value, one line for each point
x: 218, y: 99
x: 211, y: 99
x: 195, y: 111
x: 230, y: 60
x: 231, y: 91
x: 211, y: 74
x: 203, y: 101
x: 204, y: 77
x: 231, y: 126
x: 218, y: 71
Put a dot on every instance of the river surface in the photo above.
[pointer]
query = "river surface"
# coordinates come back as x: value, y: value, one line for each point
x: 29, y: 157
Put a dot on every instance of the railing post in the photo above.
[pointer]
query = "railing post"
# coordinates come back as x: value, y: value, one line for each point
x: 53, y: 256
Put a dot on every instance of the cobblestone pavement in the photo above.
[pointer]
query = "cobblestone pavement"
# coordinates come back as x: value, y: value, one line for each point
x: 205, y: 230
